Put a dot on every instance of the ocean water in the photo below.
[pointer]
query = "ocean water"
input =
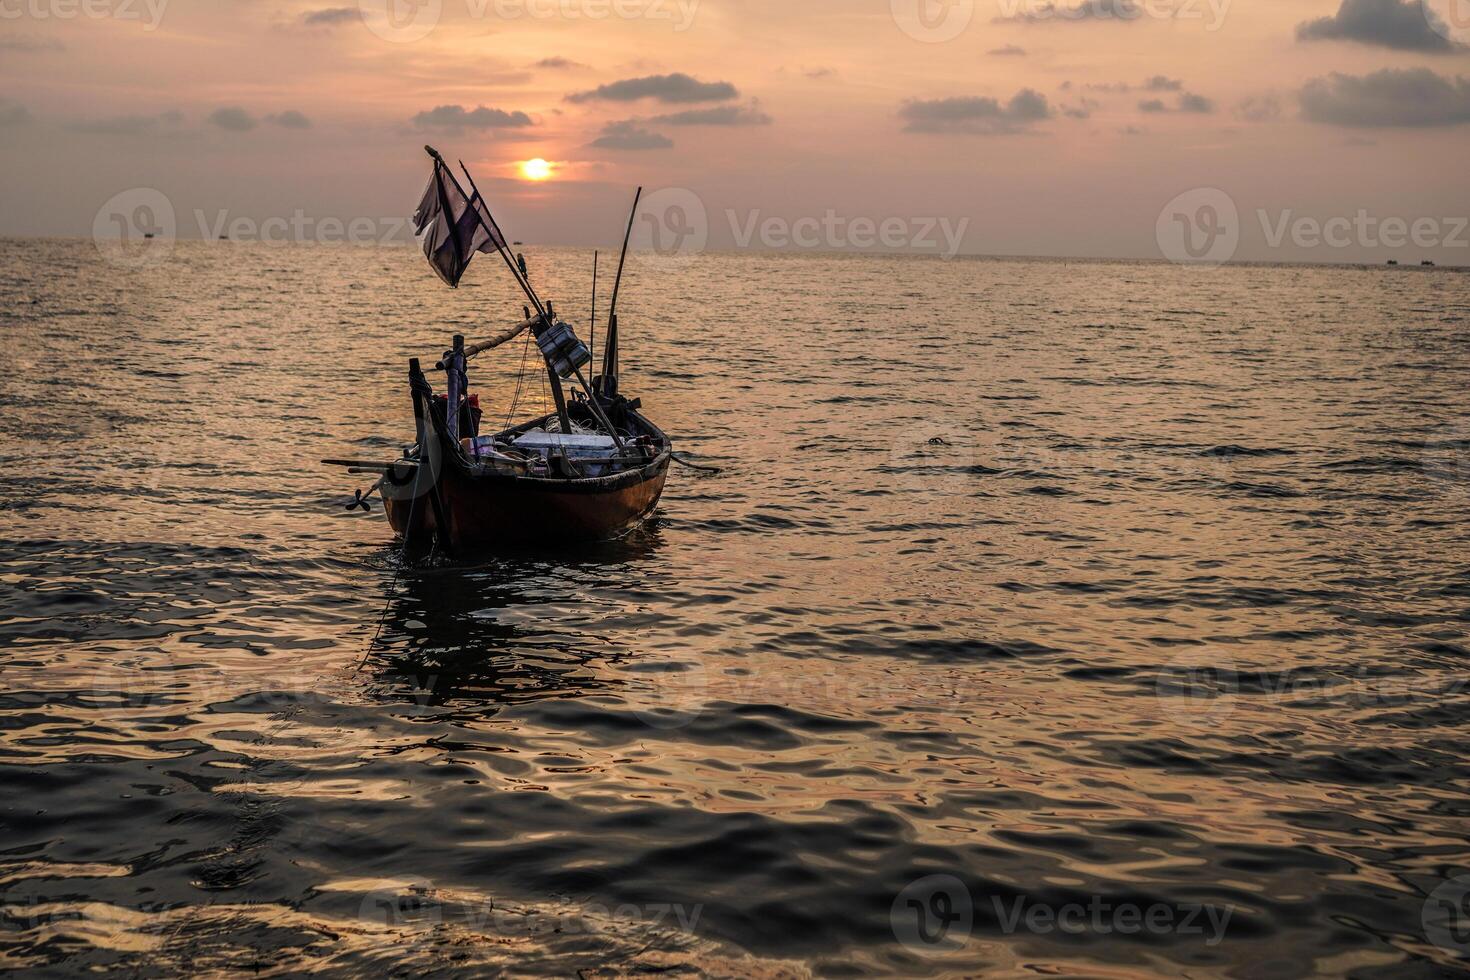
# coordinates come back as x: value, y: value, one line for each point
x: 1045, y: 618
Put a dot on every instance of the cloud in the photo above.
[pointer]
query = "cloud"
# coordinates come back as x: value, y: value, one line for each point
x: 1411, y: 97
x: 290, y: 119
x: 1161, y: 84
x: 232, y: 118
x: 1259, y: 108
x: 30, y: 45
x: 628, y: 135
x: 456, y: 117
x: 1188, y: 102
x: 724, y: 115
x: 330, y: 17
x: 558, y: 63
x: 975, y: 114
x: 1009, y: 51
x: 1082, y: 110
x: 1405, y: 25
x: 1093, y: 10
x: 13, y: 114
x: 137, y: 125
x: 677, y: 87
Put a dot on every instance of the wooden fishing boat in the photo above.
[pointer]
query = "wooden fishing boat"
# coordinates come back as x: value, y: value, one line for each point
x: 527, y: 484
x: 589, y: 471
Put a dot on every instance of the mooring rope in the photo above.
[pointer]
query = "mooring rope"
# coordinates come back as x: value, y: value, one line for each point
x: 694, y: 466
x: 520, y: 377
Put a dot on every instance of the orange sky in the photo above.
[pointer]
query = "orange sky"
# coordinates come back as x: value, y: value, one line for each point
x: 326, y: 106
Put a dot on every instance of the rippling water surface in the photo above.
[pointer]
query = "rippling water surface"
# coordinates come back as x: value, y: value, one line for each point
x: 1045, y: 618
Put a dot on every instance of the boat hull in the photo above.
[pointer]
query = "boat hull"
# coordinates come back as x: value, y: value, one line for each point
x: 484, y: 511
x: 470, y: 507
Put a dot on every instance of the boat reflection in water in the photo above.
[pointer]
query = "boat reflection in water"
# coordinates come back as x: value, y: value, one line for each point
x: 470, y: 637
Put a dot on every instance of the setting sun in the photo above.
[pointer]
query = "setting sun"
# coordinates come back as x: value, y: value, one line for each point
x: 537, y: 169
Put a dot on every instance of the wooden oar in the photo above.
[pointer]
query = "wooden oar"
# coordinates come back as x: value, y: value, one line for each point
x: 373, y: 466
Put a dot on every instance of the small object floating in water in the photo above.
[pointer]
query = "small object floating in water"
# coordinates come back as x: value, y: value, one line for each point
x: 591, y: 470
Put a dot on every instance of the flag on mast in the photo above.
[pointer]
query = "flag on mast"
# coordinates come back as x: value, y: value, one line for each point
x: 452, y: 231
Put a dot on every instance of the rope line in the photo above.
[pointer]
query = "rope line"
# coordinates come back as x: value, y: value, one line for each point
x: 397, y: 572
x: 520, y: 377
x: 694, y: 466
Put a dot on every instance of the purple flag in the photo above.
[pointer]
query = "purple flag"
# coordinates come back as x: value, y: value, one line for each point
x: 452, y: 233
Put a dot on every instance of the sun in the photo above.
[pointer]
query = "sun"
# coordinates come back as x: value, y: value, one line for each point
x: 537, y: 169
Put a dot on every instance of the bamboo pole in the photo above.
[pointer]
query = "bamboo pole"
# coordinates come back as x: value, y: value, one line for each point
x: 610, y: 346
x: 454, y: 389
x: 592, y: 318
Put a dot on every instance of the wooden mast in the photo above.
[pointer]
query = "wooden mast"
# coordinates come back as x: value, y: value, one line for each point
x: 494, y: 232
x: 592, y: 330
x: 609, y: 384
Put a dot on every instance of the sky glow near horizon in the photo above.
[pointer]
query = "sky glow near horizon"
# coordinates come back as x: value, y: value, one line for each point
x: 1036, y: 130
